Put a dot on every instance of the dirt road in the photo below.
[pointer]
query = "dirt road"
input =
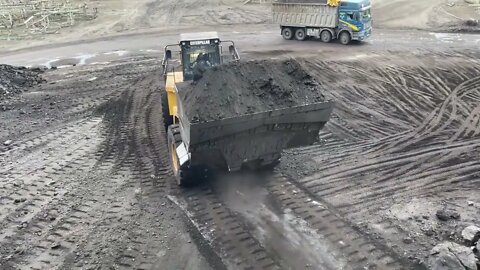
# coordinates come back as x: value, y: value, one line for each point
x: 267, y: 42
x: 86, y: 183
x: 431, y: 14
x: 120, y: 17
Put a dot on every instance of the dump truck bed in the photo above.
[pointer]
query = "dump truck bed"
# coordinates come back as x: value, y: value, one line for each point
x: 305, y: 14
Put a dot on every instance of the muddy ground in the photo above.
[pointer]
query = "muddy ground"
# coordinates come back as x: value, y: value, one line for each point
x: 86, y: 183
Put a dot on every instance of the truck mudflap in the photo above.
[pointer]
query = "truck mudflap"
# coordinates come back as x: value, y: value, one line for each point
x: 253, y: 140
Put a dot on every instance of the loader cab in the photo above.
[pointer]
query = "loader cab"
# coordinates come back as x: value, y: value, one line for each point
x: 205, y: 46
x: 195, y: 47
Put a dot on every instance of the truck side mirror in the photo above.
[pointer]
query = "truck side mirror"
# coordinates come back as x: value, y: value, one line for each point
x: 231, y: 49
x: 168, y: 54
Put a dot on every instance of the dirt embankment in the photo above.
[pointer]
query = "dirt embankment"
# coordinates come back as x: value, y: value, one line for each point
x: 248, y: 87
x: 434, y: 15
x: 116, y: 17
x: 14, y: 80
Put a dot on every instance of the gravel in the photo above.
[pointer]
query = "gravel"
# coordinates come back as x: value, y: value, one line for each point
x: 450, y: 256
x: 445, y: 215
x: 471, y: 234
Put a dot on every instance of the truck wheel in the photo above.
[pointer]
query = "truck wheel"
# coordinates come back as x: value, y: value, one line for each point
x: 175, y: 139
x: 300, y: 34
x: 326, y: 36
x: 345, y: 38
x: 167, y: 118
x: 287, y: 33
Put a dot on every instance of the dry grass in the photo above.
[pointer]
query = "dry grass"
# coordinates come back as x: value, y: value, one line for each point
x: 41, y: 16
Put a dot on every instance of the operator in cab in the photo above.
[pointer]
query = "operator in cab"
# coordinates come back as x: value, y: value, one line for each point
x: 200, y: 66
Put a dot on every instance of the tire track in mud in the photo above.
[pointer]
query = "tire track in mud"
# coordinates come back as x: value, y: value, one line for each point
x: 75, y: 95
x: 49, y: 217
x: 26, y: 187
x: 51, y: 140
x: 355, y: 138
x: 66, y: 216
x: 224, y: 230
x: 357, y: 249
x: 123, y: 179
x: 39, y: 219
x: 426, y: 147
x: 146, y: 133
x: 136, y: 143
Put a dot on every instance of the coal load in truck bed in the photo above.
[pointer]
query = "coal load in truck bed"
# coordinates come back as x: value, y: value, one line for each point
x: 241, y: 88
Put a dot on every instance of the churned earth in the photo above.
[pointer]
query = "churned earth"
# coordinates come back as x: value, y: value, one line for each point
x: 85, y: 180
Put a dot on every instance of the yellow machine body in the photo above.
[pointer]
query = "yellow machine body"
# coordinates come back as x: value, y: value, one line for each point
x: 170, y: 86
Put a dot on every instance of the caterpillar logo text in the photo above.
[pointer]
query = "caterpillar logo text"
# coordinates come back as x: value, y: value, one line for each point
x: 200, y: 42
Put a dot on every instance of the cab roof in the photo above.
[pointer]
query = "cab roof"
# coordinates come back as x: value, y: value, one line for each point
x: 356, y: 1
x: 355, y: 4
x: 198, y: 36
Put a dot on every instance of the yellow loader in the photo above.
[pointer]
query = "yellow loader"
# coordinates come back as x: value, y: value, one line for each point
x: 253, y: 140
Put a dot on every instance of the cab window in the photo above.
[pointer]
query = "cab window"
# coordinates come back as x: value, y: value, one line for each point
x: 349, y: 16
x: 365, y: 15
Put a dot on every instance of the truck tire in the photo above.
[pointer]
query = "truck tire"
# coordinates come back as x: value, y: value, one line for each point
x: 167, y: 118
x: 174, y: 139
x: 300, y: 34
x: 287, y: 33
x: 345, y: 38
x: 326, y: 36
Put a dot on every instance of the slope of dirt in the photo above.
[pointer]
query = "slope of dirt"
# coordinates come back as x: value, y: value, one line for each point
x: 435, y: 15
x: 14, y: 80
x: 85, y: 190
x: 82, y: 182
x: 248, y: 87
x: 116, y: 17
x: 402, y: 144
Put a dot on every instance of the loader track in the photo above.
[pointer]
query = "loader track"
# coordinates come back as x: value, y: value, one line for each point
x: 225, y: 231
x: 358, y: 249
x: 89, y: 187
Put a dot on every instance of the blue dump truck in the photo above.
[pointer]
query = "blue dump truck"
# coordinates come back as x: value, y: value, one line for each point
x: 345, y: 20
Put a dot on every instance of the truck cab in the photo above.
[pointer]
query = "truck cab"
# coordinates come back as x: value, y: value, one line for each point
x: 327, y: 20
x: 355, y: 16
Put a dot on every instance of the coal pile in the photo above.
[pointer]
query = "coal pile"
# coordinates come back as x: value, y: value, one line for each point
x: 15, y: 80
x: 240, y: 88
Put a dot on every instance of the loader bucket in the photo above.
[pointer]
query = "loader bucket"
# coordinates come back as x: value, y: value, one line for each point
x: 253, y: 139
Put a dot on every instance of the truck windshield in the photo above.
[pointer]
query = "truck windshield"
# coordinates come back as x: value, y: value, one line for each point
x: 365, y: 15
